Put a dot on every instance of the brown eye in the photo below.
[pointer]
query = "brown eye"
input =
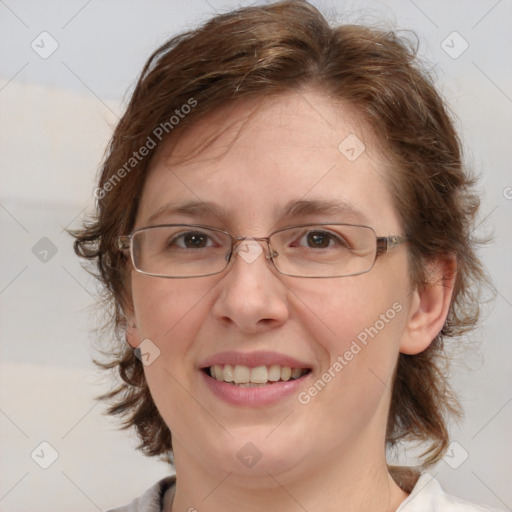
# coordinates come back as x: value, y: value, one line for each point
x: 195, y: 240
x: 318, y: 239
x: 191, y: 240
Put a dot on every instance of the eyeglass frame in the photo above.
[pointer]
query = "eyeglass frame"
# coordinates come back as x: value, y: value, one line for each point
x: 383, y: 245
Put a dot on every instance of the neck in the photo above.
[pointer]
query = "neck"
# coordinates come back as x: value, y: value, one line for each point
x: 337, y: 484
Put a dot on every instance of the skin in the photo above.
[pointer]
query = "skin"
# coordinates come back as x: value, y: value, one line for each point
x: 327, y: 455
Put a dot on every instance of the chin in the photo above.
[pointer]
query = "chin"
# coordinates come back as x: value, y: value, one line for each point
x: 253, y: 452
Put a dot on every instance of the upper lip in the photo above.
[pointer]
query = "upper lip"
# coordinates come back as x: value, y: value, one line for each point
x: 253, y: 359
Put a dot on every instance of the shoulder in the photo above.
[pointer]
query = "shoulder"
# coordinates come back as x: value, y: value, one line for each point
x: 154, y: 499
x: 428, y: 496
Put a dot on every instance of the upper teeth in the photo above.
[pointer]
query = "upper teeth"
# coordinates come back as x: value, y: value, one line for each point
x: 240, y: 374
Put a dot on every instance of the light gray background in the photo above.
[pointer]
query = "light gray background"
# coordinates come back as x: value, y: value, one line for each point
x: 56, y: 115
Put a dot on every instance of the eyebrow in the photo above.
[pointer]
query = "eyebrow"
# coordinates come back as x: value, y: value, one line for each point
x: 341, y: 210
x: 191, y: 209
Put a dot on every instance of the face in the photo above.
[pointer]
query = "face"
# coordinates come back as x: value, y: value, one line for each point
x: 341, y: 335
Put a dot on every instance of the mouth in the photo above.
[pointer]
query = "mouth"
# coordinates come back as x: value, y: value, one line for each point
x: 257, y: 376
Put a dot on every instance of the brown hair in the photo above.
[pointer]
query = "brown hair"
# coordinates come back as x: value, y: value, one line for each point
x: 262, y: 51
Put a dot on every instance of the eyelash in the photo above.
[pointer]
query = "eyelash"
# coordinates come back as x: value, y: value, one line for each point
x: 334, y: 239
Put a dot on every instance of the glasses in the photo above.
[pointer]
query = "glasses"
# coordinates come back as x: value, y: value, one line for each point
x: 306, y: 250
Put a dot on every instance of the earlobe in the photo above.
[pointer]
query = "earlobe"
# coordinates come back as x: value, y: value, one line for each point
x: 429, y: 306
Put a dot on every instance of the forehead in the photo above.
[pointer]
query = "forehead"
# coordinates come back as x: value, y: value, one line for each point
x: 252, y: 161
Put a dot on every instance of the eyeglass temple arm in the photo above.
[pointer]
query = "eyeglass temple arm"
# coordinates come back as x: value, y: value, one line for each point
x: 386, y: 243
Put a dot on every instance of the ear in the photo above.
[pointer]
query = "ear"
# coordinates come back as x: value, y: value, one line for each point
x: 429, y: 306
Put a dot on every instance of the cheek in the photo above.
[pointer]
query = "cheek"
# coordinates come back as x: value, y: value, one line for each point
x: 166, y: 305
x: 170, y: 313
x: 360, y: 308
x: 357, y: 330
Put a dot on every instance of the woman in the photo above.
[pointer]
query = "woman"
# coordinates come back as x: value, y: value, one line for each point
x: 283, y: 233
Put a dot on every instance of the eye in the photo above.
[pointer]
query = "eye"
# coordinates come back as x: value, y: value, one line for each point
x: 191, y: 240
x: 322, y: 240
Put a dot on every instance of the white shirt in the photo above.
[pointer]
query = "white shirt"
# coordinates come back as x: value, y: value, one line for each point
x: 428, y: 496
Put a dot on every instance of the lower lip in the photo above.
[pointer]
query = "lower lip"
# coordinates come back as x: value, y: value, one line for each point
x: 256, y: 396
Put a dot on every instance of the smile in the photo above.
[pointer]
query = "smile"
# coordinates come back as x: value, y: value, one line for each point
x: 245, y: 376
x: 254, y: 379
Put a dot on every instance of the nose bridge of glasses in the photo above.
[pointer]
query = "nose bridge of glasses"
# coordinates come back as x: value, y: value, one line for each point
x: 250, y: 247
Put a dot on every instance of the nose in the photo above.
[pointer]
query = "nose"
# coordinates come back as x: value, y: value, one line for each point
x: 252, y: 297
